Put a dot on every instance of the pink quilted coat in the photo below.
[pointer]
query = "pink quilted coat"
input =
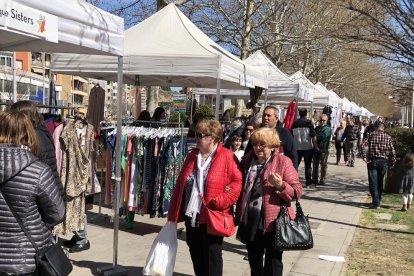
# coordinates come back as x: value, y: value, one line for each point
x: 271, y: 197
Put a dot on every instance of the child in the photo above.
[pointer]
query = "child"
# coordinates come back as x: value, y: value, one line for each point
x: 407, y: 183
x: 236, y: 142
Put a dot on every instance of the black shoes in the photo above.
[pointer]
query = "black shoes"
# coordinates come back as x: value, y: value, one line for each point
x: 74, y: 247
x: 80, y: 247
x: 70, y: 243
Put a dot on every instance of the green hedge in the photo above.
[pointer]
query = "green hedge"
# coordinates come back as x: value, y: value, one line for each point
x: 178, y: 115
x: 402, y: 139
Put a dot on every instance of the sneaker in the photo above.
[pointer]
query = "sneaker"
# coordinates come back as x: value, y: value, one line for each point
x: 322, y: 182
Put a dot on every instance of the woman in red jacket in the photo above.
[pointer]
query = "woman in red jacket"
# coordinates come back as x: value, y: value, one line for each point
x: 212, y: 170
x: 269, y: 181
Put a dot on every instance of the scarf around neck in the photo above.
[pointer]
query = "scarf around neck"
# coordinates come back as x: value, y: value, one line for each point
x: 194, y: 205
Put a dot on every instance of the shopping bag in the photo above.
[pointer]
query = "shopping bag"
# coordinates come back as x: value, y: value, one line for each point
x: 161, y: 258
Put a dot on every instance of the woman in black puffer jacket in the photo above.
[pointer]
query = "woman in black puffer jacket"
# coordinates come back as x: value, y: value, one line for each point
x: 32, y: 192
x: 47, y: 153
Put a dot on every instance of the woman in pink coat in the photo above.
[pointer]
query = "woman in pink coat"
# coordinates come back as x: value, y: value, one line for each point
x: 211, y: 170
x: 269, y: 181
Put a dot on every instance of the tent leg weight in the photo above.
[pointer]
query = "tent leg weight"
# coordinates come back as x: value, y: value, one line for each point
x: 110, y: 270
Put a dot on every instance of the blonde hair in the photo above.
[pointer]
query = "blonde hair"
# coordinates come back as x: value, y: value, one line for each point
x: 409, y: 160
x: 210, y: 127
x: 16, y: 128
x: 266, y: 135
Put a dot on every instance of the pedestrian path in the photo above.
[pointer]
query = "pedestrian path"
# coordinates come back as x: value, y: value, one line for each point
x: 334, y: 210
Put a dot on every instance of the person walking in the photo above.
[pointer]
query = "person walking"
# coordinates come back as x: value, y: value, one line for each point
x: 350, y: 138
x: 29, y: 187
x: 339, y: 145
x: 304, y: 136
x: 379, y: 154
x: 287, y: 146
x: 270, y: 181
x: 210, y: 170
x: 407, y: 182
x: 323, y: 139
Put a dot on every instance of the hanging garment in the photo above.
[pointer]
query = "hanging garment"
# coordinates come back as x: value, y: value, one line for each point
x: 95, y: 113
x: 75, y: 174
x: 290, y: 116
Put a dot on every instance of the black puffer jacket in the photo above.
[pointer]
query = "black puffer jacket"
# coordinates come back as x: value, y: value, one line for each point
x: 47, y: 153
x: 35, y: 197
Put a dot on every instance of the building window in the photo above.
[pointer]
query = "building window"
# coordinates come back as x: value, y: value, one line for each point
x: 6, y: 61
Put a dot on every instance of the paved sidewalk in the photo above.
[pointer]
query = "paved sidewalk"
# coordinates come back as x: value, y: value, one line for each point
x: 333, y: 209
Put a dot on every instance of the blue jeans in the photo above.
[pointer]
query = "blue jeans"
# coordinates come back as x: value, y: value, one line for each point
x: 307, y: 156
x: 376, y: 172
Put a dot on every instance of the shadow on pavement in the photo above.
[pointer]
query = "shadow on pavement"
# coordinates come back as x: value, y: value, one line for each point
x: 132, y: 270
x: 361, y: 226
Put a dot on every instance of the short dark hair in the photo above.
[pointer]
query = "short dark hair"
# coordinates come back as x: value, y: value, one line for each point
x: 273, y: 108
x: 303, y: 112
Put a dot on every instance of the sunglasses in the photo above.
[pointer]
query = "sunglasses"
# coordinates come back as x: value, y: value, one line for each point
x: 249, y: 129
x: 323, y: 120
x: 200, y: 135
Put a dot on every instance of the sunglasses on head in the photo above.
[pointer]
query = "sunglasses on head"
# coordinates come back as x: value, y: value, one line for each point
x: 200, y: 135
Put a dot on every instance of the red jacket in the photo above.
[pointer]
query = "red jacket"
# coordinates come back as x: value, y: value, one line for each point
x: 223, y: 171
x: 272, y: 198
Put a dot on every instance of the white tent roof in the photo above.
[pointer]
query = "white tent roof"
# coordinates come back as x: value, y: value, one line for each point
x: 355, y: 109
x: 82, y: 28
x: 346, y: 105
x: 167, y: 49
x: 304, y: 84
x: 336, y: 98
x: 280, y: 85
x: 323, y: 97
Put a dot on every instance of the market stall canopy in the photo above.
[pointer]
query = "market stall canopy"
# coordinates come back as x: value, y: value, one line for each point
x: 346, y: 105
x: 280, y: 86
x: 323, y: 97
x: 336, y: 98
x: 70, y: 26
x: 355, y: 109
x: 167, y: 49
x: 304, y: 84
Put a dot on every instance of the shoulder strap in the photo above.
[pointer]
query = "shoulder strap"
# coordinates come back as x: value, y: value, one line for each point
x: 19, y: 221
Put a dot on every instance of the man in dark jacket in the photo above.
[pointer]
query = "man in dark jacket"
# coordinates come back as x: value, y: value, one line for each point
x: 270, y: 119
x: 323, y: 140
x: 304, y: 136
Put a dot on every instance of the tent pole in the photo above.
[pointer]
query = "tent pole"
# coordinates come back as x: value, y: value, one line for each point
x: 15, y: 79
x: 114, y: 269
x: 265, y: 102
x: 216, y: 117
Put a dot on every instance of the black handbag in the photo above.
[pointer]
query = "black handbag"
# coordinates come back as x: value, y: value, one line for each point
x: 50, y: 261
x: 290, y: 234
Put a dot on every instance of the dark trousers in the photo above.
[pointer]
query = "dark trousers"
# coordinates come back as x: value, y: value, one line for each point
x: 205, y: 250
x: 339, y: 150
x: 376, y: 172
x: 307, y: 156
x: 262, y: 245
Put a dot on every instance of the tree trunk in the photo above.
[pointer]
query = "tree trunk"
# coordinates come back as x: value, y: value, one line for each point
x: 245, y: 49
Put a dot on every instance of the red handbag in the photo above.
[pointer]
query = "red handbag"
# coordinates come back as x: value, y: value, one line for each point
x: 219, y: 223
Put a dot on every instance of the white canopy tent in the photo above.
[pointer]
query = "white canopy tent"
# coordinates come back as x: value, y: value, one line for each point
x: 346, y: 105
x: 79, y: 28
x: 280, y: 86
x: 355, y: 109
x: 323, y: 97
x: 336, y: 98
x: 82, y: 28
x: 304, y: 84
x: 171, y: 51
